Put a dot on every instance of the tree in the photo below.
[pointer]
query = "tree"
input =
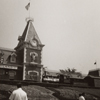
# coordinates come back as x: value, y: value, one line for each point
x: 73, y: 70
x: 70, y: 72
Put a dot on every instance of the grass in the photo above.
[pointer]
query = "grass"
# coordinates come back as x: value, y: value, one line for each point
x: 35, y: 92
x: 91, y: 91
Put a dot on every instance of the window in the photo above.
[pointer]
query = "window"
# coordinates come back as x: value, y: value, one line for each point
x: 13, y: 58
x: 12, y: 73
x: 1, y: 53
x: 2, y: 72
x: 1, y: 57
x: 1, y: 60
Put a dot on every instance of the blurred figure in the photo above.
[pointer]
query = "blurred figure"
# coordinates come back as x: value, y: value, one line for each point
x: 18, y: 94
x: 82, y: 96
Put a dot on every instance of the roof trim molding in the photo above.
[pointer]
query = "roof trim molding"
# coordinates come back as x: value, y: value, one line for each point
x: 27, y: 31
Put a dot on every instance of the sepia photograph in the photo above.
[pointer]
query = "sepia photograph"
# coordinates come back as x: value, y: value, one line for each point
x: 49, y: 50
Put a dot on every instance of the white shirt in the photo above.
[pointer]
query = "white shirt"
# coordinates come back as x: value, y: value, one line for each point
x: 18, y: 94
x: 81, y: 98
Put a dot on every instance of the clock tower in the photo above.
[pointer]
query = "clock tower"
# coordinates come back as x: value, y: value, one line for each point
x: 29, y: 51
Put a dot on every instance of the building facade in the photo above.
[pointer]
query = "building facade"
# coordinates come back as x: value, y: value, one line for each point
x: 95, y: 72
x: 24, y: 62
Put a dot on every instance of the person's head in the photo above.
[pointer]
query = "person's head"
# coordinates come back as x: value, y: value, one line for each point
x: 19, y: 85
x: 80, y: 95
x: 83, y: 94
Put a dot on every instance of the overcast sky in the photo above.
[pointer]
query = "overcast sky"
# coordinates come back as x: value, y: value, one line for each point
x: 69, y: 29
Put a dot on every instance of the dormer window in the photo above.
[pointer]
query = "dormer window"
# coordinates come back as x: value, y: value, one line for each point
x: 1, y: 53
x: 1, y: 60
x: 1, y: 57
x: 13, y: 58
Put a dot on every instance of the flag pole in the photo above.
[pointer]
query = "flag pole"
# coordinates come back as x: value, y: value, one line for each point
x: 95, y: 64
x: 29, y: 8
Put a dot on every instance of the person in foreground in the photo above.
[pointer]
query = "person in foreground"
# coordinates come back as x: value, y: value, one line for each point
x: 18, y: 94
x: 82, y: 96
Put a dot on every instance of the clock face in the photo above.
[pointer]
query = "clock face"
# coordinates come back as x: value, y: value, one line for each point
x: 33, y: 42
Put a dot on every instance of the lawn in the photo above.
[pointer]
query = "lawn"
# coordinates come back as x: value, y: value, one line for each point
x: 36, y: 92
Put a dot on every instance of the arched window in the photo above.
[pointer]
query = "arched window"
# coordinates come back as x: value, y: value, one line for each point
x: 13, y: 57
x: 33, y: 56
x: 33, y: 75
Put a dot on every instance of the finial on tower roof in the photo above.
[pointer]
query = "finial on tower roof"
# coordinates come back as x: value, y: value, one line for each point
x: 29, y: 19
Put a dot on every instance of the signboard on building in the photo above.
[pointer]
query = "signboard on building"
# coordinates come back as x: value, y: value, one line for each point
x: 8, y: 67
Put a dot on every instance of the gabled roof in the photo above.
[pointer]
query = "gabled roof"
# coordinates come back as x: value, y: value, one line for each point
x: 25, y: 32
x: 90, y: 76
x: 6, y: 49
x: 51, y: 73
x: 13, y: 54
x: 92, y: 70
x: 5, y: 54
x: 31, y: 33
x: 28, y: 34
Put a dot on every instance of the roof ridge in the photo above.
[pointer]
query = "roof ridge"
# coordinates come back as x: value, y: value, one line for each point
x: 7, y: 49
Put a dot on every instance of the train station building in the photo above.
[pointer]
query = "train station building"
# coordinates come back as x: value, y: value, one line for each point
x: 24, y: 61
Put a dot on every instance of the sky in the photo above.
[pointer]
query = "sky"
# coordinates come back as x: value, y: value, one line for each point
x: 69, y: 29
